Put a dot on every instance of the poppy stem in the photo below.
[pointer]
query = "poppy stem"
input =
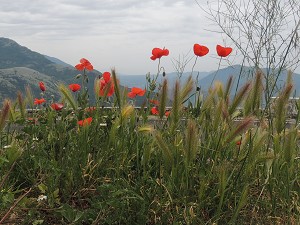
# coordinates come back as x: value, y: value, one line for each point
x: 158, y: 70
x: 194, y: 65
x: 216, y: 72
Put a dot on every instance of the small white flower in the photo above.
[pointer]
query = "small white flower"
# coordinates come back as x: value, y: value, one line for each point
x: 7, y: 146
x: 35, y: 139
x: 41, y: 198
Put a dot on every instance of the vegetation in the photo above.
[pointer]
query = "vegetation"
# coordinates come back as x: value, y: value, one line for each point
x: 212, y: 158
x: 217, y: 161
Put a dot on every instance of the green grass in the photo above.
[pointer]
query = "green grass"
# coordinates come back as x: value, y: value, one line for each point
x: 222, y: 161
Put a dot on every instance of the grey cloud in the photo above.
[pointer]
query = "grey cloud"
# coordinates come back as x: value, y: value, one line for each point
x: 102, y: 18
x: 106, y: 22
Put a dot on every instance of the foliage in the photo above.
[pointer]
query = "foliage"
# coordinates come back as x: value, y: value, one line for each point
x: 221, y: 160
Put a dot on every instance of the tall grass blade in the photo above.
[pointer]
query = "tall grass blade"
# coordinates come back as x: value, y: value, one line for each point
x: 242, y: 202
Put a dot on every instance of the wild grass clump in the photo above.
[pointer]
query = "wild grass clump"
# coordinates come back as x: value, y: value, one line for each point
x: 224, y: 161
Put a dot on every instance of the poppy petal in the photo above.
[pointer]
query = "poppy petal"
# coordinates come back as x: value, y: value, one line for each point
x: 154, y: 102
x: 165, y: 52
x: 153, y: 57
x: 200, y: 50
x: 154, y: 111
x: 79, y: 66
x: 131, y: 94
x: 138, y: 91
x: 84, y: 61
x: 106, y: 76
x: 89, y: 67
x: 223, y: 51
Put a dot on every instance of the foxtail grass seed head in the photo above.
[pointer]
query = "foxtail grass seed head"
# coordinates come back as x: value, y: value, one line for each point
x: 127, y: 111
x: 29, y: 97
x: 239, y: 97
x: 243, y: 126
x: 163, y: 99
x: 146, y: 129
x: 116, y: 87
x: 4, y: 113
x: 166, y: 151
x: 187, y: 88
x: 21, y: 104
x: 175, y: 105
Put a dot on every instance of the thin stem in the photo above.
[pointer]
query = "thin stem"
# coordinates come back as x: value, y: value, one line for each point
x: 158, y: 70
x: 194, y: 65
x: 216, y: 72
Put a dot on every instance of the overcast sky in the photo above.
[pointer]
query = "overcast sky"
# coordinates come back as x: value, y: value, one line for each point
x: 113, y: 33
x: 110, y: 33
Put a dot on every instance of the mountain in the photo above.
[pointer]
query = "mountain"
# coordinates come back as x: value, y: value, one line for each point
x: 20, y: 66
x: 140, y: 80
x: 57, y: 61
x: 245, y: 74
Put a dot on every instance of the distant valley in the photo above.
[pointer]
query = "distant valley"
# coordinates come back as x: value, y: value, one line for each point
x: 20, y: 66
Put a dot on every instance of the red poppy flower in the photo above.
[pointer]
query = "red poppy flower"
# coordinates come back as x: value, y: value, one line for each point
x: 136, y: 91
x: 223, y: 51
x: 154, y: 111
x: 157, y: 53
x: 57, y: 106
x: 106, y: 82
x: 200, y: 50
x: 85, y: 122
x: 154, y: 102
x: 84, y: 64
x: 39, y: 101
x: 42, y: 86
x: 74, y: 87
x: 238, y: 143
x: 167, y: 113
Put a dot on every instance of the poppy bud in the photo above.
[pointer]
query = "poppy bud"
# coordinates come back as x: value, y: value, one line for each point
x: 164, y: 74
x: 198, y: 89
x: 78, y: 76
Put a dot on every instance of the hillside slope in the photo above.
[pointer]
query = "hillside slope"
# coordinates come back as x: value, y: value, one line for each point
x: 20, y: 66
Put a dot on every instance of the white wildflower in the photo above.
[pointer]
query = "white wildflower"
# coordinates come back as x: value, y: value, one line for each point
x: 41, y: 198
